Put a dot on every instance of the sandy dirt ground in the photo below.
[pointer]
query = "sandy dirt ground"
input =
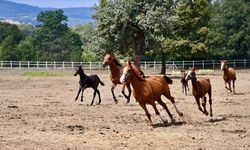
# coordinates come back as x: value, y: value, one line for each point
x: 40, y: 113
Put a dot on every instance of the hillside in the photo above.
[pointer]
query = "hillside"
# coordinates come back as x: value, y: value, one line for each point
x: 26, y: 14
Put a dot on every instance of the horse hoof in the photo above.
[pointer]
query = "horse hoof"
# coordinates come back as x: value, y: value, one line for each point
x: 211, y: 115
x: 181, y: 114
x: 172, y: 120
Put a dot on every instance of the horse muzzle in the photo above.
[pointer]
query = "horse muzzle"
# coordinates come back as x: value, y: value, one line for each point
x: 104, y: 65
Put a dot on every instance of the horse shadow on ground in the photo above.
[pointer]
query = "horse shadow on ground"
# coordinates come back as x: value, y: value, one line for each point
x: 219, y: 119
x: 161, y: 125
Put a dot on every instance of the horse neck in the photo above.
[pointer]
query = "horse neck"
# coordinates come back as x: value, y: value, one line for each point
x: 115, y: 69
x: 225, y: 70
x: 82, y: 75
x: 136, y: 83
x: 195, y: 83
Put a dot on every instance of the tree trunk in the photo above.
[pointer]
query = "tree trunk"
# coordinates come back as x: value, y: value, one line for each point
x: 138, y: 46
x: 163, y: 62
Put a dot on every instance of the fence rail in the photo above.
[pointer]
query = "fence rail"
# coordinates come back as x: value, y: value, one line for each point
x: 145, y: 65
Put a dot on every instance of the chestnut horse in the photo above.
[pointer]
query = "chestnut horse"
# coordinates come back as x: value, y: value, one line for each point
x: 86, y: 81
x: 116, y: 72
x: 184, y: 83
x: 200, y: 88
x: 229, y: 75
x: 149, y: 90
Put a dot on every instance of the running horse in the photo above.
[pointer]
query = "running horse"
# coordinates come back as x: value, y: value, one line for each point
x: 91, y: 81
x: 229, y: 75
x: 200, y: 87
x: 149, y: 90
x: 116, y: 72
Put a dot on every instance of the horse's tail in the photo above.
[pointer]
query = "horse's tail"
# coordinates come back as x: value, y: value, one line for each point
x: 101, y: 82
x: 167, y: 79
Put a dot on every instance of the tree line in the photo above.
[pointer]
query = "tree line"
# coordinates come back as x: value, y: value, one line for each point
x: 136, y: 29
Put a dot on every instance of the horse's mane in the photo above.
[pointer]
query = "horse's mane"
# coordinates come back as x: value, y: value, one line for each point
x: 137, y: 73
x: 116, y: 62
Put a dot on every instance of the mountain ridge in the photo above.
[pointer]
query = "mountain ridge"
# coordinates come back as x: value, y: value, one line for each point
x: 26, y: 14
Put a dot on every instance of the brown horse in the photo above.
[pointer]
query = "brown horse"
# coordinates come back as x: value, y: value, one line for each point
x: 86, y: 81
x: 229, y: 75
x: 149, y: 90
x: 116, y: 72
x: 200, y: 88
x: 184, y: 83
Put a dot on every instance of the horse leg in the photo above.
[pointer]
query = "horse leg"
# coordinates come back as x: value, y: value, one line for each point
x: 234, y: 86
x: 129, y: 92
x: 158, y: 113
x: 166, y: 108
x: 123, y: 92
x: 210, y: 102
x: 185, y: 89
x: 229, y: 84
x: 204, y: 101
x: 173, y: 102
x: 82, y: 95
x: 112, y: 90
x: 198, y: 103
x: 94, y: 94
x: 147, y: 113
x: 226, y: 85
x: 98, y: 92
x: 78, y: 93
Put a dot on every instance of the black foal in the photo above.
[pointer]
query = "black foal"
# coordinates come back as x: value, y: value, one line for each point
x: 87, y: 82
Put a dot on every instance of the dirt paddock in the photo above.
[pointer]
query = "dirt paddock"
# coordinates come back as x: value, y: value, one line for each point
x: 40, y: 113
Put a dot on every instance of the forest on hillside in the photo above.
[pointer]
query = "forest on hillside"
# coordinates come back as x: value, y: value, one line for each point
x: 136, y: 29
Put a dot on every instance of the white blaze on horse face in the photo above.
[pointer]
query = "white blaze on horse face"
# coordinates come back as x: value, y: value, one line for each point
x: 188, y: 75
x: 123, y: 77
x: 222, y: 65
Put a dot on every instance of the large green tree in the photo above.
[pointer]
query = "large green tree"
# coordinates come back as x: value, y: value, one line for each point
x: 230, y: 28
x: 10, y: 36
x: 126, y: 25
x: 53, y: 39
x: 190, y: 37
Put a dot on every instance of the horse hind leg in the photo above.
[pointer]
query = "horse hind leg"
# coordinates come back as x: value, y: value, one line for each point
x: 158, y: 113
x: 123, y: 92
x: 234, y: 86
x: 210, y: 102
x: 166, y: 108
x: 94, y: 94
x: 229, y: 84
x: 98, y: 92
x: 168, y: 96
x: 147, y: 113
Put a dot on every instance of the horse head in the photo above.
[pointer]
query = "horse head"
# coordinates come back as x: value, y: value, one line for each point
x: 128, y: 71
x: 223, y: 64
x: 108, y: 58
x: 190, y: 74
x: 78, y: 70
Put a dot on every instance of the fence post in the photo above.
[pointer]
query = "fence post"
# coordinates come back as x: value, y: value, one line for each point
x: 245, y: 63
x: 99, y: 65
x: 2, y: 64
x: 203, y: 64
x: 28, y: 64
x: 213, y: 64
x: 183, y: 64
x: 63, y: 65
x: 37, y: 65
x: 20, y: 64
x: 11, y: 64
x: 54, y: 65
x: 90, y: 67
x: 154, y: 67
x: 193, y: 63
x: 145, y: 65
x: 234, y: 63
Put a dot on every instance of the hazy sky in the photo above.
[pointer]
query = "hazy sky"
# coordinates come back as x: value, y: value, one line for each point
x: 58, y: 3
